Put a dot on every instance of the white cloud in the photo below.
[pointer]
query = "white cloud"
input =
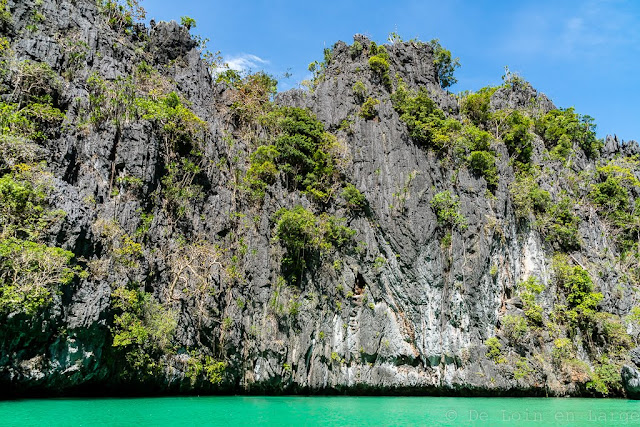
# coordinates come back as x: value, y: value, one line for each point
x: 591, y: 30
x: 245, y: 62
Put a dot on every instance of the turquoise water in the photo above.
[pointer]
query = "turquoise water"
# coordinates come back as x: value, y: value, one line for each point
x: 325, y: 411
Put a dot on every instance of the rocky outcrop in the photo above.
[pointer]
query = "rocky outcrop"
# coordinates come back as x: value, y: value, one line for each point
x: 177, y: 248
x: 631, y: 376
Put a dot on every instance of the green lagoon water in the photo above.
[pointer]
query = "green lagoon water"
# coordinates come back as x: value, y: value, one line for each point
x: 326, y: 411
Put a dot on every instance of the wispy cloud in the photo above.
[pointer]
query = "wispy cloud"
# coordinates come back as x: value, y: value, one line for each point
x: 588, y: 30
x: 245, y: 62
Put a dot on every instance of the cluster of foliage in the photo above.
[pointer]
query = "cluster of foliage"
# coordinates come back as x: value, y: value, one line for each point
x: 517, y: 137
x: 5, y: 14
x: 29, y: 115
x: 356, y: 49
x: 359, y: 91
x: 559, y: 224
x: 354, y: 199
x: 447, y: 209
x: 252, y: 96
x: 205, y: 366
x: 142, y: 329
x: 121, y: 15
x: 23, y: 126
x: 523, y: 370
x: 514, y: 327
x: 483, y: 162
x: 578, y: 288
x: 476, y: 106
x: 305, y: 235
x: 318, y: 68
x: 181, y: 129
x: 183, y: 133
x: 561, y: 129
x: 606, y: 377
x: 301, y: 150
x: 31, y: 271
x: 529, y: 290
x: 379, y: 64
x: 429, y: 126
x: 528, y: 198
x: 512, y: 126
x: 445, y: 65
x: 368, y: 110
x: 187, y: 22
x: 612, y: 196
x: 426, y: 122
x: 494, y: 350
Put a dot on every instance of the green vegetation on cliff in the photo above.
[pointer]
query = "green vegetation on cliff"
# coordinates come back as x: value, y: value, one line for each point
x: 162, y: 226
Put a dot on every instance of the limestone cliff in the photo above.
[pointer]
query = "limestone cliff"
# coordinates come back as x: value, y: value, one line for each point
x: 166, y: 230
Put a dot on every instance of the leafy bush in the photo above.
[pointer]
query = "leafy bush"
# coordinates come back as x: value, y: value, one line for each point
x: 319, y: 68
x: 613, y: 334
x: 562, y: 350
x: 606, y: 377
x: 355, y: 50
x: 142, y: 329
x: 578, y: 287
x: 253, y: 96
x: 35, y: 82
x: 301, y: 149
x: 187, y: 22
x: 368, y: 110
x: 263, y: 169
x: 612, y: 197
x: 379, y: 64
x: 560, y: 129
x: 231, y: 77
x: 354, y: 199
x: 494, y: 350
x: 477, y: 140
x: 36, y: 121
x: 523, y: 370
x: 517, y: 137
x: 447, y: 209
x: 528, y: 198
x: 115, y: 100
x: 515, y: 327
x: 560, y: 226
x: 23, y: 204
x: 30, y: 273
x: 178, y: 188
x: 529, y: 290
x: 426, y: 122
x: 200, y: 365
x: 122, y: 14
x: 359, y: 91
x: 445, y: 65
x: 305, y: 235
x: 5, y: 15
x: 484, y: 163
x: 475, y: 106
x: 180, y: 127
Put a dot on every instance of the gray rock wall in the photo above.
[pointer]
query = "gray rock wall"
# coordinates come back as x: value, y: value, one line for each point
x: 400, y: 313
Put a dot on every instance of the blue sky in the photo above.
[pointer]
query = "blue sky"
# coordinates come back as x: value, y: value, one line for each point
x: 584, y: 54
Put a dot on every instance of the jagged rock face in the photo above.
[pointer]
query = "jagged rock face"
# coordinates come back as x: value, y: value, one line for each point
x: 631, y: 376
x: 631, y: 381
x: 402, y: 311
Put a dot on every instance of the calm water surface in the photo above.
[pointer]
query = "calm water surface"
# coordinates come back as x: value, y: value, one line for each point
x: 325, y: 411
